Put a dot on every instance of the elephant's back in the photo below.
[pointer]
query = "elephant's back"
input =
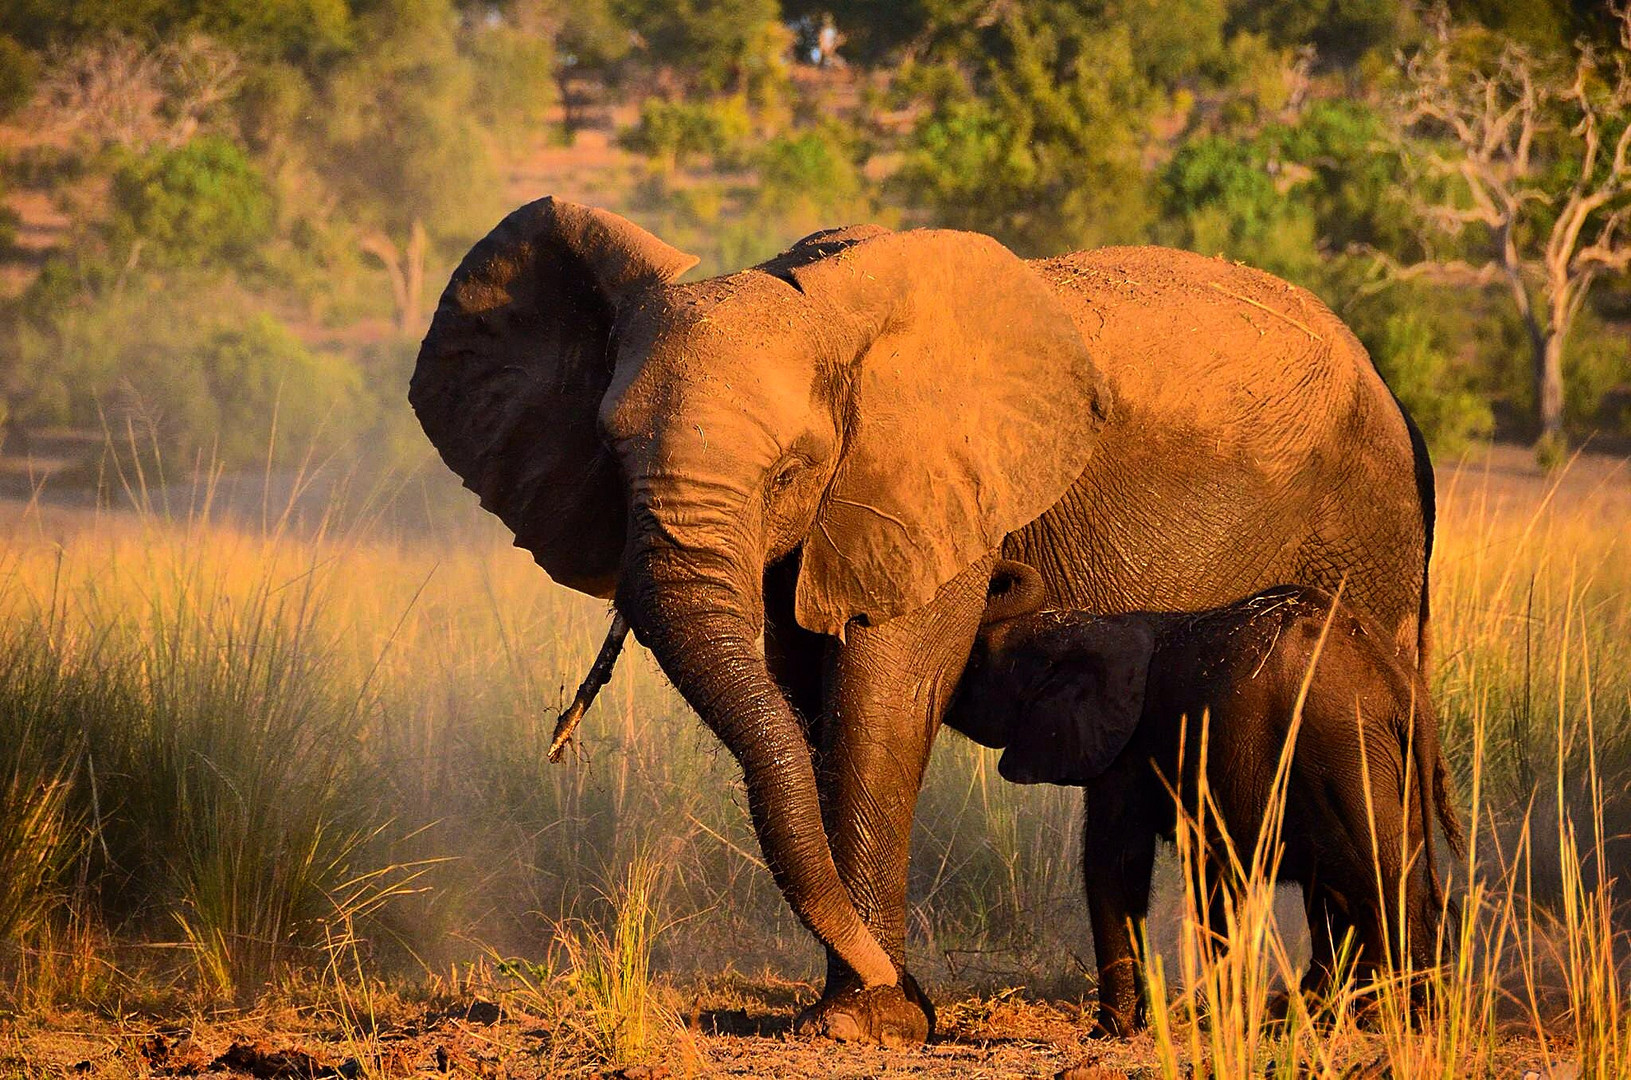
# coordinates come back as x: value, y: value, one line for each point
x: 1217, y: 346
x: 1251, y: 443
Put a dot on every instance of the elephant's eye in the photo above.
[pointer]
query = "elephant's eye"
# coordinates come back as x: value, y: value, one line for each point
x: 785, y: 473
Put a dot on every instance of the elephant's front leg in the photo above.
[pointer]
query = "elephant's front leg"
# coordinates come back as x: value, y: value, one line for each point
x: 888, y: 690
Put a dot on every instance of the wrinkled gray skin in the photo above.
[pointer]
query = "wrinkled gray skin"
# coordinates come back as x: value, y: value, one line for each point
x: 1117, y: 705
x: 831, y: 448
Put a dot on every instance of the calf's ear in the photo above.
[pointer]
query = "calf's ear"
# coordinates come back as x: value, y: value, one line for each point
x: 1086, y: 706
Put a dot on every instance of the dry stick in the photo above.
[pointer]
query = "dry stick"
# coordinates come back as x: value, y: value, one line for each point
x: 598, y: 675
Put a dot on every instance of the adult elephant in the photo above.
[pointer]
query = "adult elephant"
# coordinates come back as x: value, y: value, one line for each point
x: 833, y: 447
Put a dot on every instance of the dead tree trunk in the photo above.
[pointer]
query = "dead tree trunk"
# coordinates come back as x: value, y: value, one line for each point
x: 1549, y: 387
x: 405, y: 267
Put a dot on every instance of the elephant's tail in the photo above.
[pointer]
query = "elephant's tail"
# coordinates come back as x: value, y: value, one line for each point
x: 1432, y: 783
x: 1427, y: 496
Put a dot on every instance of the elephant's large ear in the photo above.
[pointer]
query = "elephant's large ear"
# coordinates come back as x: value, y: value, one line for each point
x: 1087, y: 706
x: 511, y: 374
x: 974, y: 405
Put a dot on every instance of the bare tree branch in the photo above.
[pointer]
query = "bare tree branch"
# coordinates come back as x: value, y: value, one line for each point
x: 1478, y: 128
x: 117, y: 91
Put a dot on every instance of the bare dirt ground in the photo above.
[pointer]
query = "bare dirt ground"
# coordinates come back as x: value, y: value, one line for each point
x: 736, y: 1029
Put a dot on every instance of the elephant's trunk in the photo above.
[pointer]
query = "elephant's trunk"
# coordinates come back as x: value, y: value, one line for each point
x: 702, y: 633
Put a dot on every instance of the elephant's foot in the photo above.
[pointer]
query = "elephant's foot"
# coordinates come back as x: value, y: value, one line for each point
x: 893, y: 1016
x: 1120, y: 1014
x: 1115, y: 1025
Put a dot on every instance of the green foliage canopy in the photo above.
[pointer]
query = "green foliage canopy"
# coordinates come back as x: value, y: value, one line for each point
x: 302, y: 31
x: 1042, y: 147
x: 202, y: 202
x: 403, y: 142
x: 714, y: 44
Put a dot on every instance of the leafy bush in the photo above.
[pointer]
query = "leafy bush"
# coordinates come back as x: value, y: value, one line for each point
x: 813, y: 168
x: 145, y: 362
x: 18, y: 70
x: 299, y: 31
x: 1341, y: 30
x: 1278, y: 197
x: 1596, y: 362
x: 1224, y: 199
x: 266, y: 393
x: 1408, y: 331
x: 200, y: 203
x: 514, y: 77
x: 8, y: 220
x: 1413, y: 361
x: 676, y: 131
x: 717, y: 45
x: 400, y: 140
x: 1042, y: 145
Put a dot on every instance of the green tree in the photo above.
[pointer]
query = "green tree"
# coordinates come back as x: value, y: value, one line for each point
x: 181, y: 366
x: 405, y: 148
x: 199, y: 203
x: 1289, y: 195
x: 1042, y: 145
x: 8, y: 217
x: 676, y: 131
x: 514, y: 68
x: 301, y: 31
x: 19, y: 67
x: 263, y: 395
x: 590, y: 40
x: 1412, y: 348
x: 1226, y: 198
x: 1341, y: 31
x: 306, y: 32
x: 713, y: 45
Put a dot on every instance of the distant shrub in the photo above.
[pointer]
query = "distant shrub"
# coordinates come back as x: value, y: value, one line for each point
x: 1287, y: 197
x: 677, y: 131
x: 232, y: 388
x: 198, y: 203
x: 267, y: 393
x: 961, y: 153
x: 1421, y: 373
x: 811, y: 167
x: 8, y: 220
x: 514, y: 77
x: 18, y: 69
x: 1228, y: 173
x: 239, y: 395
x: 1408, y: 340
x: 714, y: 45
x: 1596, y: 362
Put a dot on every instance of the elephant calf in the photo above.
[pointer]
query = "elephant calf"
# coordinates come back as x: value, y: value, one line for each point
x: 1102, y: 702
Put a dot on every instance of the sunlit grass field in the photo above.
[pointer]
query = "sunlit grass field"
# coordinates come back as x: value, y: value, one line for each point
x: 257, y: 752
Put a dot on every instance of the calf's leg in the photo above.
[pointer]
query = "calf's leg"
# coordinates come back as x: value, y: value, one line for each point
x: 1118, y: 855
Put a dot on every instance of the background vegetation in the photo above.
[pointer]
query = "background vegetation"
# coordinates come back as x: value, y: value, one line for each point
x: 319, y: 164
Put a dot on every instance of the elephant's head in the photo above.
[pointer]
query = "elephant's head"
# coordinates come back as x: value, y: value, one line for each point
x: 1069, y: 689
x: 889, y: 405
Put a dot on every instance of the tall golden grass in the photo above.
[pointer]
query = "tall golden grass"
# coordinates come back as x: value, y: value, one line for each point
x: 233, y: 740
